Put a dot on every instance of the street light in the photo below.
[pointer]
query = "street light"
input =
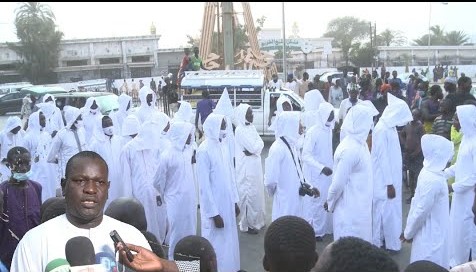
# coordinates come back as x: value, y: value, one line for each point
x: 429, y: 33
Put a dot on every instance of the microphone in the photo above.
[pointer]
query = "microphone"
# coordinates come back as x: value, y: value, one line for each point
x: 79, y: 251
x: 57, y: 265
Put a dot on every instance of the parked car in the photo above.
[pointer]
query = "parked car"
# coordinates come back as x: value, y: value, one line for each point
x: 12, y: 102
x: 13, y: 87
x: 107, y: 102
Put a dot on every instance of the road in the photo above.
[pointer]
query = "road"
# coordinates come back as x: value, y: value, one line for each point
x: 251, y: 246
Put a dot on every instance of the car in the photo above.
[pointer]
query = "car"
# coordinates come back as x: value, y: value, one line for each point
x: 12, y: 102
x: 13, y: 87
x: 334, y: 75
x: 107, y: 102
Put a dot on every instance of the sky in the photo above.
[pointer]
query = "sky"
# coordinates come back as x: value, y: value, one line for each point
x: 174, y: 21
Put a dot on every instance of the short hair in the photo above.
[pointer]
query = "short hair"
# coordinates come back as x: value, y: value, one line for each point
x: 290, y: 245
x: 83, y: 155
x: 52, y: 208
x: 17, y: 150
x: 352, y: 254
x: 192, y: 248
x: 464, y: 79
x: 424, y: 266
x: 128, y: 210
x: 154, y: 244
x: 434, y: 89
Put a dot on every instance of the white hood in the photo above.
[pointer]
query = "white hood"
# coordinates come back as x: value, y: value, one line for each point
x: 240, y: 114
x: 437, y: 151
x: 224, y: 105
x: 397, y: 112
x: 279, y: 103
x: 312, y: 100
x: 359, y: 121
x: 47, y: 107
x: 325, y: 110
x: 124, y: 100
x: 161, y: 119
x: 287, y: 125
x: 34, y: 122
x: 71, y: 114
x: 178, y: 134
x: 212, y: 126
x: 467, y: 119
x: 184, y: 113
x: 12, y: 122
x: 143, y: 92
x: 130, y: 125
x: 48, y: 96
x: 149, y: 136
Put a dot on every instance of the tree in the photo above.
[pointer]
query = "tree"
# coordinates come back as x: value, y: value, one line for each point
x: 346, y: 31
x: 456, y: 38
x: 39, y: 42
x: 391, y: 37
x: 440, y: 37
x: 192, y: 42
x: 362, y: 55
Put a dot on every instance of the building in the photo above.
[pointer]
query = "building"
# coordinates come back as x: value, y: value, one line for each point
x: 86, y: 59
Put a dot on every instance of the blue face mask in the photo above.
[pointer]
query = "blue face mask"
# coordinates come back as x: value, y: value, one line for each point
x: 21, y: 176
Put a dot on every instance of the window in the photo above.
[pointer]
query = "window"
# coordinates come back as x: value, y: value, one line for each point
x: 76, y: 62
x: 111, y: 73
x: 141, y: 59
x: 141, y: 72
x: 109, y: 60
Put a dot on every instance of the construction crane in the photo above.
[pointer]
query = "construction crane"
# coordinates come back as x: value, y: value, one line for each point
x: 251, y: 59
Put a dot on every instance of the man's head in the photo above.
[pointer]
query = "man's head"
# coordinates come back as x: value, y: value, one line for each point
x: 107, y: 125
x: 186, y: 51
x: 424, y: 266
x: 287, y: 106
x: 275, y: 78
x: 149, y: 99
x: 52, y: 208
x: 290, y: 77
x: 128, y: 210
x: 42, y: 119
x: 289, y: 245
x: 353, y: 92
x: 354, y: 254
x: 436, y: 92
x: 85, y: 188
x: 195, y: 50
x: 464, y: 84
x: 249, y: 115
x: 15, y: 130
x: 416, y: 113
x: 305, y: 76
x: 394, y: 74
x: 194, y: 248
x: 446, y: 106
x: 19, y: 162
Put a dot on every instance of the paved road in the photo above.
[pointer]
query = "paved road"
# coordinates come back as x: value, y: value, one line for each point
x: 251, y: 246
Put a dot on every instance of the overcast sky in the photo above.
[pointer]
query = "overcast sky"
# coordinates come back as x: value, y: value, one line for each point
x: 175, y: 20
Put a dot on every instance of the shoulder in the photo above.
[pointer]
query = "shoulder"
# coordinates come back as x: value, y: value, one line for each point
x: 127, y: 232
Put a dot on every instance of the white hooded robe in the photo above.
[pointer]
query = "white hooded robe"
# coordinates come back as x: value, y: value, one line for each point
x: 121, y: 114
x: 9, y: 140
x: 91, y: 118
x: 53, y: 116
x: 224, y: 107
x: 145, y: 112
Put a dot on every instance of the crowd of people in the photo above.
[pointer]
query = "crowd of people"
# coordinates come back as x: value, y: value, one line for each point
x: 144, y: 174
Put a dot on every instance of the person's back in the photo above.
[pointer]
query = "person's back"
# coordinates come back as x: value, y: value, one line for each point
x: 204, y: 108
x: 194, y: 248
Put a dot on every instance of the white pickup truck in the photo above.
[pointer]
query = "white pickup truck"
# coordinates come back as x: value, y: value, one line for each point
x: 243, y: 86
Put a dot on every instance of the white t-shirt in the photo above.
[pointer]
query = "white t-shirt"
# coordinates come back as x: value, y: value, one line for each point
x: 44, y: 246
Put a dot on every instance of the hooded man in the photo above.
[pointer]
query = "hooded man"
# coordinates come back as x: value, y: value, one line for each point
x: 312, y: 101
x: 109, y: 146
x: 91, y: 115
x: 54, y: 119
x: 283, y: 172
x: 11, y: 136
x: 249, y: 172
x: 282, y: 104
x: 464, y: 171
x: 350, y: 193
x: 428, y: 218
x: 37, y: 142
x: 147, y: 104
x: 224, y: 107
x: 125, y: 104
x: 318, y: 161
x: 139, y: 160
x: 353, y: 91
x: 70, y: 140
x: 387, y: 174
x: 174, y: 181
x: 130, y: 129
x: 218, y: 194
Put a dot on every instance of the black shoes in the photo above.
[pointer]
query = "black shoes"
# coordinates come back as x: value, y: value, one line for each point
x: 252, y: 231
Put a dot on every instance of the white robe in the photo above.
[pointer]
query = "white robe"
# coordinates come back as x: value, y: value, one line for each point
x: 350, y: 193
x: 174, y: 181
x: 53, y: 116
x: 9, y: 140
x: 145, y: 112
x: 387, y: 166
x: 90, y: 120
x: 224, y: 107
x: 428, y: 218
x: 317, y: 154
x: 249, y: 172
x: 38, y: 142
x: 464, y: 170
x: 281, y: 172
x: 121, y: 114
x: 218, y: 196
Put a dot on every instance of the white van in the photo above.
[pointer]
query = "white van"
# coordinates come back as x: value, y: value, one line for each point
x: 243, y: 86
x: 13, y: 87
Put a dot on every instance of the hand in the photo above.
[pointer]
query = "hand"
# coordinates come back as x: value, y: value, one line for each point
x: 218, y: 222
x: 144, y: 260
x: 53, y: 134
x: 326, y: 171
x: 269, y: 123
x: 391, y: 192
x: 316, y: 192
x: 326, y: 207
x: 404, y: 240
x: 247, y: 153
x: 237, y: 210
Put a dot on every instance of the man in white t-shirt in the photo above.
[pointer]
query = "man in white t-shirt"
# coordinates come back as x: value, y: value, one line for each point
x: 85, y: 188
x: 275, y: 82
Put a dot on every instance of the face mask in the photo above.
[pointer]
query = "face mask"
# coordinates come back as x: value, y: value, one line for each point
x: 223, y: 134
x: 21, y: 176
x: 79, y: 123
x: 107, y: 131
x: 93, y: 111
x: 328, y: 124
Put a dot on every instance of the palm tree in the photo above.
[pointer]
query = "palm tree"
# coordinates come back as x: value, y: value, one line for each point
x: 390, y: 37
x: 437, y: 37
x: 456, y: 38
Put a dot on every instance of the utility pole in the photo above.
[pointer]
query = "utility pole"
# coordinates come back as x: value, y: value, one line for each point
x: 371, y: 47
x: 284, y: 46
x: 227, y: 8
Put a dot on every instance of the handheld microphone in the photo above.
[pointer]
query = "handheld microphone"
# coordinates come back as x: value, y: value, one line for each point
x: 57, y: 265
x: 80, y: 251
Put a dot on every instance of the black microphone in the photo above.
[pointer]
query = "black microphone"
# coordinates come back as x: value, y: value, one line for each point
x: 79, y: 251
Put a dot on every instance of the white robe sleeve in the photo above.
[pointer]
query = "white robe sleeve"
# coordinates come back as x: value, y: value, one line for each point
x: 126, y: 172
x: 343, y: 168
x: 420, y: 211
x: 55, y: 148
x: 160, y: 177
x: 245, y: 138
x: 468, y: 182
x: 450, y: 171
x: 272, y: 169
x: 208, y: 205
x: 23, y: 259
x: 380, y: 147
x: 308, y: 147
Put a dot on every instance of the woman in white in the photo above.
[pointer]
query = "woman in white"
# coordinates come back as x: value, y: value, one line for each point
x: 428, y: 219
x: 249, y: 172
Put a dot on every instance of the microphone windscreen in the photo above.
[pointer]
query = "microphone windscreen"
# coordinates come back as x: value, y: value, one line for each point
x: 80, y: 251
x: 57, y: 265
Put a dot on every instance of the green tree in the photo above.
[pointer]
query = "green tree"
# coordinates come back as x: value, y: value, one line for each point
x: 437, y: 37
x: 456, y: 38
x: 391, y: 37
x: 39, y: 42
x: 346, y: 31
x: 362, y: 55
x: 279, y: 54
